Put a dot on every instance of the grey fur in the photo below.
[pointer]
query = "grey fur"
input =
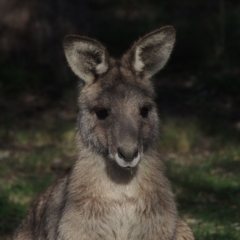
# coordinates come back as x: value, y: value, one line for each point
x: 117, y: 188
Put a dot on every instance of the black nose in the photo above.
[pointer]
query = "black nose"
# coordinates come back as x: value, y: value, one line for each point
x: 127, y: 154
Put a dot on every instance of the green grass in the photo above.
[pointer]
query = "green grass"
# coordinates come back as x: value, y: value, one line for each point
x: 205, y: 177
x: 207, y: 190
x: 31, y: 159
x: 204, y: 171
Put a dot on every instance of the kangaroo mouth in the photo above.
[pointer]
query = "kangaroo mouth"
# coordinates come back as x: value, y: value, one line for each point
x: 127, y: 164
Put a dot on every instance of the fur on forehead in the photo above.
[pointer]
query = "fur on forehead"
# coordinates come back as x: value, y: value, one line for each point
x: 118, y: 80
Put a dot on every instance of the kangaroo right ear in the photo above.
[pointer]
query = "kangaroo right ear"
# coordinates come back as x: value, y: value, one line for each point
x: 86, y: 57
x: 150, y: 53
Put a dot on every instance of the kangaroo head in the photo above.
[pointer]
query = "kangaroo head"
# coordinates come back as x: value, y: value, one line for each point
x: 118, y: 117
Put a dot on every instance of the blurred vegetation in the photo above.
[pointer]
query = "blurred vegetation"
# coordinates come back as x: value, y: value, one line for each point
x: 198, y: 98
x: 204, y: 170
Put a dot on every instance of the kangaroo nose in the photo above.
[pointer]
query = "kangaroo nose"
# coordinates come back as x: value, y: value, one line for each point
x: 127, y: 154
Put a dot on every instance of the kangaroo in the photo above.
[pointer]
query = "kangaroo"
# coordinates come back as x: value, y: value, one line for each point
x: 117, y: 189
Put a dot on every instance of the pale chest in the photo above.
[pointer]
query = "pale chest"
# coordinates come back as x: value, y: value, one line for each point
x: 123, y: 221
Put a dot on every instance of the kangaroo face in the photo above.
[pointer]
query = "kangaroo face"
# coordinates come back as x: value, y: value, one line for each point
x: 118, y: 117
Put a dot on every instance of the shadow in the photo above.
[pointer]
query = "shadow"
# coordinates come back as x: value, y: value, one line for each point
x: 10, y: 215
x: 214, y: 106
x: 204, y: 197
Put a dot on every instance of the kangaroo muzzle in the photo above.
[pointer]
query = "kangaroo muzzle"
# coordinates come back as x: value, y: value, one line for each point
x: 128, y: 151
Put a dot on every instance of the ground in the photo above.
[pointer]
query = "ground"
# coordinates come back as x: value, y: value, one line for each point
x: 37, y: 145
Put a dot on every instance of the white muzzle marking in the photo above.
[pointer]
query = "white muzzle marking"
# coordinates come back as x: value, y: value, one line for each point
x: 124, y: 164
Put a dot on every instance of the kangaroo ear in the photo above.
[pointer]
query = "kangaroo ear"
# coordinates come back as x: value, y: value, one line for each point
x: 151, y: 52
x: 86, y: 57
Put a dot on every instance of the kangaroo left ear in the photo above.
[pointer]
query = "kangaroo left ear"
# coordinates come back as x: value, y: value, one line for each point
x: 87, y: 57
x: 151, y: 52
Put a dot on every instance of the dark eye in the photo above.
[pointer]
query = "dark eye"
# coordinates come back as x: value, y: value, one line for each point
x: 144, y: 111
x: 102, y: 113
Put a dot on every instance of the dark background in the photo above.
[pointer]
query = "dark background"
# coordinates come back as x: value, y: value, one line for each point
x: 202, y: 77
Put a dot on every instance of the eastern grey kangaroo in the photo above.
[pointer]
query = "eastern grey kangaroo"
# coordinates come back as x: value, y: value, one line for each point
x: 117, y: 188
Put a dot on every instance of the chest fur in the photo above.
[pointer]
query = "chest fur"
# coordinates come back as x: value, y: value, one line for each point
x: 122, y: 220
x: 130, y: 211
